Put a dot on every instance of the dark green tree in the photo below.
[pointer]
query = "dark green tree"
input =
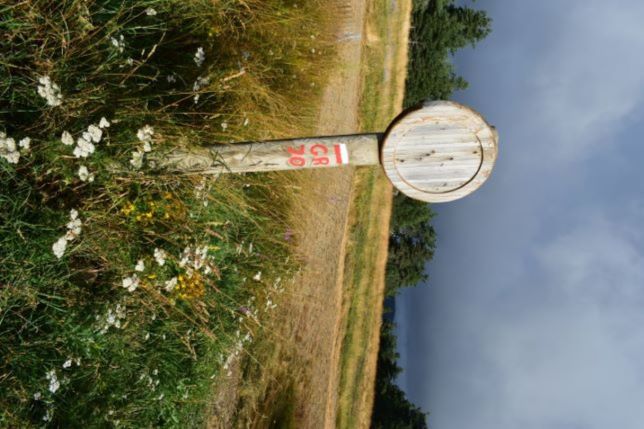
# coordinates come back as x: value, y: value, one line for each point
x: 392, y: 409
x: 412, y: 242
x: 439, y: 29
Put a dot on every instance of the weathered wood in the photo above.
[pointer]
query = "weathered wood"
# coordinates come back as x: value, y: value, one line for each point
x: 438, y: 152
x: 295, y: 154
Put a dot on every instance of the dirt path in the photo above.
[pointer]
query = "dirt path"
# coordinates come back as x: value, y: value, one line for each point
x: 323, y: 232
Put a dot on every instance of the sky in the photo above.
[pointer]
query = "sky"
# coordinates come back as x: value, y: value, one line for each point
x: 533, y: 314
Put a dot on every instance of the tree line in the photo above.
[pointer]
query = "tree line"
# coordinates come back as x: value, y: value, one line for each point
x: 439, y: 29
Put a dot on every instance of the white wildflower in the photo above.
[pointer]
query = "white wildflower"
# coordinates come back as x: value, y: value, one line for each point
x: 201, y: 82
x: 8, y: 149
x: 54, y: 384
x: 84, y: 147
x: 48, y: 416
x: 257, y: 277
x: 120, y: 310
x: 67, y: 363
x: 150, y: 12
x: 200, y: 57
x: 73, y: 214
x: 159, y: 256
x: 104, y: 123
x: 137, y: 159
x: 147, y: 147
x: 95, y: 133
x: 49, y: 91
x: 37, y: 396
x: 129, y: 61
x: 185, y: 257
x: 140, y: 266
x: 85, y: 175
x: 145, y: 134
x: 118, y: 43
x: 73, y: 229
x: 224, y: 126
x: 9, y: 144
x: 67, y: 139
x: 147, y: 336
x: 12, y: 157
x: 170, y: 284
x: 131, y: 283
x: 111, y: 317
x: 201, y: 254
x: 59, y: 247
x: 25, y: 143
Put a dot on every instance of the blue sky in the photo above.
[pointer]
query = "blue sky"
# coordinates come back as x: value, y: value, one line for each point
x: 533, y: 316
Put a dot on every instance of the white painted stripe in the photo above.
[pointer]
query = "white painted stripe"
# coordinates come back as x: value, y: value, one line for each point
x: 344, y: 153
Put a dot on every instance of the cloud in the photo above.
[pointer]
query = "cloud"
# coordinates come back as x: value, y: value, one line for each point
x: 589, y: 81
x: 569, y: 357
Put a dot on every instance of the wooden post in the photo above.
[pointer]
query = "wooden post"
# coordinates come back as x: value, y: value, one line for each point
x: 438, y: 151
x: 294, y: 154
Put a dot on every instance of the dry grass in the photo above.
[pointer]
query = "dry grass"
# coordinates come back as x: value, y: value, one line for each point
x: 384, y: 70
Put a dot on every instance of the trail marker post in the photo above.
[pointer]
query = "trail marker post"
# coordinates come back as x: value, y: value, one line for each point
x: 436, y: 152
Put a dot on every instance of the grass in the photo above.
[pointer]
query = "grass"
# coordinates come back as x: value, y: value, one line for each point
x: 76, y: 346
x: 384, y: 65
x: 385, y: 61
x: 363, y: 296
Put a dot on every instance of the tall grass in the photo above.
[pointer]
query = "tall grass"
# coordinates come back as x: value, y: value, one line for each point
x: 156, y: 287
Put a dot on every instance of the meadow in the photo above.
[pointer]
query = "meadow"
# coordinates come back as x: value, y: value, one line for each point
x: 125, y: 291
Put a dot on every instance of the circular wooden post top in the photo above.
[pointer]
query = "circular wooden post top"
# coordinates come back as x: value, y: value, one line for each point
x: 439, y: 151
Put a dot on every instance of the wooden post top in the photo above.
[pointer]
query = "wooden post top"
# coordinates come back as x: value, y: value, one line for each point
x: 439, y: 151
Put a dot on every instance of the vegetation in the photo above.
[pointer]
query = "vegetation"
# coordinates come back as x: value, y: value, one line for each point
x: 363, y: 291
x: 391, y: 408
x: 439, y: 29
x: 124, y: 290
x: 412, y: 242
x: 384, y: 60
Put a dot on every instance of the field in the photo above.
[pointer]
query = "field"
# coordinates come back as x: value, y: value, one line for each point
x: 130, y: 297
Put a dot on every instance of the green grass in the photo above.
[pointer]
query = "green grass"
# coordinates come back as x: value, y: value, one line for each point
x: 383, y: 59
x: 143, y: 357
x: 362, y: 297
